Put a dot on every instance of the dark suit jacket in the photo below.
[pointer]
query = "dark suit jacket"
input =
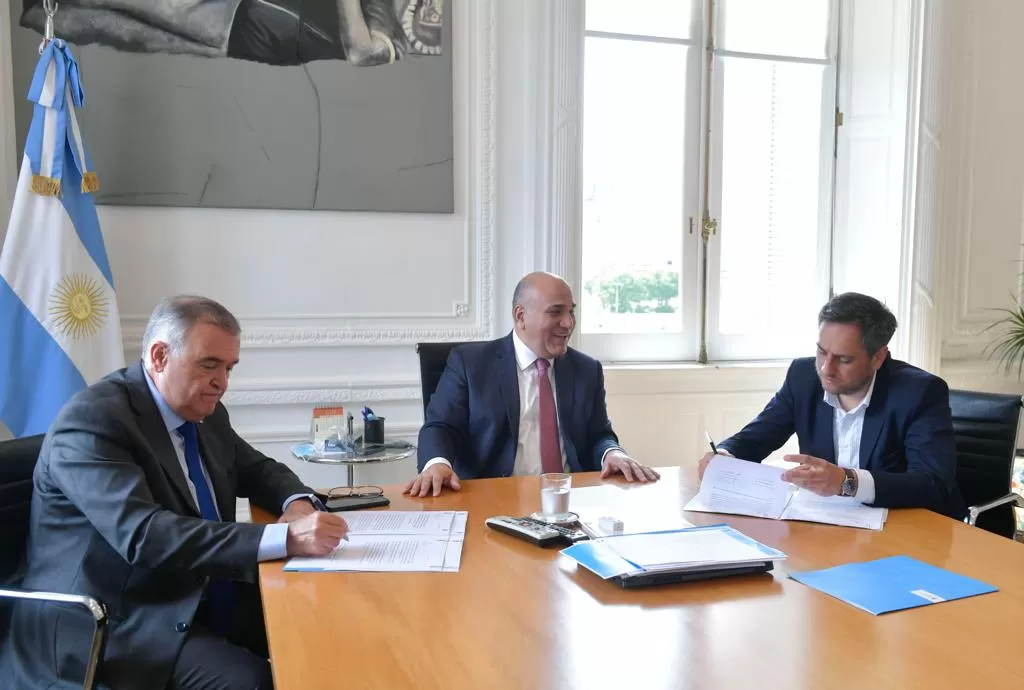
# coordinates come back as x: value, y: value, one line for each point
x: 473, y: 417
x: 906, y: 444
x: 112, y: 517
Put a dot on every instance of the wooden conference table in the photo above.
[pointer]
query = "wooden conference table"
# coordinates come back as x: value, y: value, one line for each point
x: 517, y: 616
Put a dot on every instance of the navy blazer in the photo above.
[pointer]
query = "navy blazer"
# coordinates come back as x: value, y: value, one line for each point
x: 907, y: 443
x: 472, y: 419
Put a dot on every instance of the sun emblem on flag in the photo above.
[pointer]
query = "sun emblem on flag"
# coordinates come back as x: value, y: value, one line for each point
x: 78, y: 305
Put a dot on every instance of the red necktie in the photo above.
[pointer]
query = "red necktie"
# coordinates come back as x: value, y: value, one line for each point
x: 550, y: 450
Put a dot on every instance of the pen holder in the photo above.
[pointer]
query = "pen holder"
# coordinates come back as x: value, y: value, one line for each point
x: 373, y: 430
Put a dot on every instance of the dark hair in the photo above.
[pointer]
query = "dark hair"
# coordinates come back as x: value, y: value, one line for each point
x: 876, y: 322
x: 174, y: 317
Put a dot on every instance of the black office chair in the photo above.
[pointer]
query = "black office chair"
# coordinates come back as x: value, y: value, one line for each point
x: 17, y: 460
x: 986, y: 427
x: 433, y: 357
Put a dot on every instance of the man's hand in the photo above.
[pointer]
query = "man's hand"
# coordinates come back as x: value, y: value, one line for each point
x: 617, y: 462
x: 816, y: 475
x: 432, y: 480
x: 702, y: 464
x: 300, y: 507
x: 316, y: 534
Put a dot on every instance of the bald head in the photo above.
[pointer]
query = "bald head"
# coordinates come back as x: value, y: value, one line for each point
x: 536, y: 283
x: 544, y: 313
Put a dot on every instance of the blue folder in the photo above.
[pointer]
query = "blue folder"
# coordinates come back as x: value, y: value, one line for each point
x: 892, y: 584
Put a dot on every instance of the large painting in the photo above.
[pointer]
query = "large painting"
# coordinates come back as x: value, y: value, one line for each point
x: 287, y: 104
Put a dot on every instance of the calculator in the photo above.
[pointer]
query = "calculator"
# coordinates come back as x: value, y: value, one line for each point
x: 536, y: 532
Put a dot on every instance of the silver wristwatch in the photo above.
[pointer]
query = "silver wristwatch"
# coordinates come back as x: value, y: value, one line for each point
x: 849, y: 487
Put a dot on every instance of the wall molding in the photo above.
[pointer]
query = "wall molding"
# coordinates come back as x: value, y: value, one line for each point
x: 319, y: 390
x: 560, y: 140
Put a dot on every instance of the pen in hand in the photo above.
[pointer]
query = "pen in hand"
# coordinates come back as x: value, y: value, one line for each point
x: 711, y: 442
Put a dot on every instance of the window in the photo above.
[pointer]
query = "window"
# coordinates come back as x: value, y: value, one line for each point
x: 707, y: 177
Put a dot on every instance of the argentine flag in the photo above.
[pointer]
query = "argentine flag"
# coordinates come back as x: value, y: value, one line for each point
x: 59, y: 325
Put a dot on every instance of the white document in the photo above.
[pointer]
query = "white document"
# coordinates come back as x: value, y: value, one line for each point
x: 631, y: 508
x: 411, y: 522
x: 395, y: 541
x: 846, y: 511
x: 741, y: 487
x: 383, y: 553
x: 651, y: 551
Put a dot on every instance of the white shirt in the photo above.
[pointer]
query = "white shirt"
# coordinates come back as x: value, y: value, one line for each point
x: 527, y: 460
x: 847, y: 427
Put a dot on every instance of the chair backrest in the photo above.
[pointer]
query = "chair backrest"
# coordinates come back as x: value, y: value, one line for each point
x: 986, y: 427
x: 17, y: 461
x: 433, y: 357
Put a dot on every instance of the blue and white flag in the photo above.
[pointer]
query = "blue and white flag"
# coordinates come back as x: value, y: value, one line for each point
x: 59, y: 325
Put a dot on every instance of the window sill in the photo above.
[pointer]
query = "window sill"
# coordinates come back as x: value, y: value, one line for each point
x: 669, y: 378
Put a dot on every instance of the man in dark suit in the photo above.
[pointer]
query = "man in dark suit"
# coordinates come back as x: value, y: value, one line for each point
x: 134, y: 504
x: 523, y: 404
x: 869, y: 426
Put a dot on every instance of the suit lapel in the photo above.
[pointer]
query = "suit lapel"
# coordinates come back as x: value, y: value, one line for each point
x: 508, y: 381
x: 874, y: 416
x: 565, y: 390
x: 223, y: 493
x: 152, y: 426
x: 824, y: 430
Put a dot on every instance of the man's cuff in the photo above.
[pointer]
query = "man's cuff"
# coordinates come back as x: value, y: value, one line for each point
x: 609, y: 450
x: 435, y: 461
x: 273, y: 543
x: 317, y: 503
x: 865, y: 487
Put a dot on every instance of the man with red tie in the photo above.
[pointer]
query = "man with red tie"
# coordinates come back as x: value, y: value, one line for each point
x: 523, y: 404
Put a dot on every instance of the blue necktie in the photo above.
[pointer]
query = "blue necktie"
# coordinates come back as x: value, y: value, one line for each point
x: 220, y: 592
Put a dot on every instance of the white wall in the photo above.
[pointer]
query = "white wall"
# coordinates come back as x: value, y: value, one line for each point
x: 977, y: 149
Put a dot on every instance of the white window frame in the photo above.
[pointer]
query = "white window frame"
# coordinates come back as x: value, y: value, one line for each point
x: 641, y: 347
x: 683, y: 345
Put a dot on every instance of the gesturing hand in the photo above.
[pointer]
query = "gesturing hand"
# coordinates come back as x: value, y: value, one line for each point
x: 816, y: 475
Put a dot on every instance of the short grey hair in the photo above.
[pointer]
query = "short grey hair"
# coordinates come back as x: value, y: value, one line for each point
x: 174, y: 317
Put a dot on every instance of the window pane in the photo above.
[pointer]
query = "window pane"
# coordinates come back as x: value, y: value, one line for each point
x: 797, y: 28
x: 661, y: 18
x: 633, y: 185
x: 771, y: 195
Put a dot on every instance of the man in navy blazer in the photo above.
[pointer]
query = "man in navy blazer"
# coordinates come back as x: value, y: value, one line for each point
x: 523, y: 404
x: 869, y: 426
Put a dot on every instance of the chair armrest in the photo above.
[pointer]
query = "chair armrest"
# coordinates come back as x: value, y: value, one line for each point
x: 96, y: 609
x: 974, y: 511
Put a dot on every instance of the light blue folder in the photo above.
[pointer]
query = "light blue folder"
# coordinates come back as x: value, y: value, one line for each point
x: 892, y: 584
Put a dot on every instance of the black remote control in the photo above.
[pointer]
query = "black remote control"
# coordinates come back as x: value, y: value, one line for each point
x: 535, y: 531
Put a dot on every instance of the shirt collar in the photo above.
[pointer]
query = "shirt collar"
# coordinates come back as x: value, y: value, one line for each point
x: 524, y: 355
x: 833, y: 399
x: 171, y: 419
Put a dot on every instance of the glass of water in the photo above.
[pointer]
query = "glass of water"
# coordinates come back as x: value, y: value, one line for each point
x: 554, y: 496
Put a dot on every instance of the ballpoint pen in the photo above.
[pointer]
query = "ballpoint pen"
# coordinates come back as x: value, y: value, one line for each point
x: 711, y: 442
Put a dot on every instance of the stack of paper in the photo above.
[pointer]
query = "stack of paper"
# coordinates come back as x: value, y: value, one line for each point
x: 395, y: 541
x: 717, y: 547
x: 610, y: 510
x: 741, y: 487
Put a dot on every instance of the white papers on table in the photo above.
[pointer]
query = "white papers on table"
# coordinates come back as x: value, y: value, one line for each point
x: 395, y: 541
x: 391, y: 522
x: 632, y: 507
x: 741, y: 487
x: 672, y: 549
